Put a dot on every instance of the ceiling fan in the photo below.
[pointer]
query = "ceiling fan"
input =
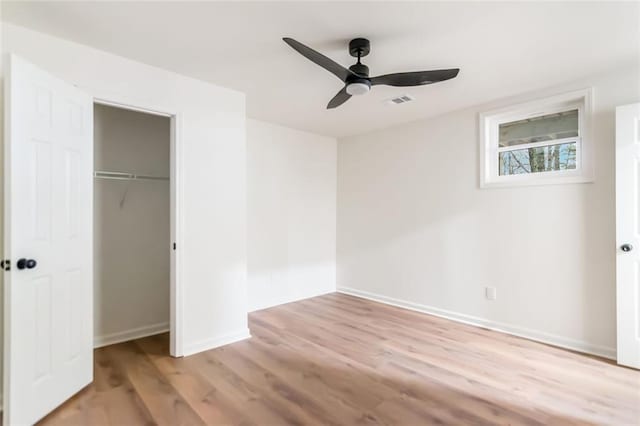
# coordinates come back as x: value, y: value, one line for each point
x: 356, y: 78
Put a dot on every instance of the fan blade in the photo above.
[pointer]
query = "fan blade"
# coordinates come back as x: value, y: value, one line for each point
x: 333, y: 67
x: 340, y: 98
x: 417, y: 78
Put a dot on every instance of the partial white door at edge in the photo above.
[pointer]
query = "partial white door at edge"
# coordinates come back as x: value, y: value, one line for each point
x: 628, y: 233
x: 48, y: 353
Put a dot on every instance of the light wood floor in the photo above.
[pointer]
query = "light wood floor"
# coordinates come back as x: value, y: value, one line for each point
x: 337, y: 359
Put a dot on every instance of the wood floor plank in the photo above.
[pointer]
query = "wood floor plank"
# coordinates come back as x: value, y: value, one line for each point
x: 339, y: 359
x: 270, y: 381
x: 211, y: 405
x: 162, y: 401
x: 327, y: 392
x: 405, y: 382
x: 259, y: 406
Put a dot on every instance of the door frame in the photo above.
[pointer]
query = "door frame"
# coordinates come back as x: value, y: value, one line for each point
x: 175, y: 183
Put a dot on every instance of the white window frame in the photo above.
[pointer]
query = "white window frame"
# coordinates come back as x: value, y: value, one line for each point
x: 489, y: 148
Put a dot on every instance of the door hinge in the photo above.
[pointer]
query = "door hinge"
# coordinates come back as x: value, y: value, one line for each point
x: 5, y: 265
x: 174, y: 246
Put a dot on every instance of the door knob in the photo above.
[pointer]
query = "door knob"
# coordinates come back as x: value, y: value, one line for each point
x: 26, y: 263
x: 626, y: 247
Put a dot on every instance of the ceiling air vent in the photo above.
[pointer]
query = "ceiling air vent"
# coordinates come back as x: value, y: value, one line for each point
x: 402, y: 99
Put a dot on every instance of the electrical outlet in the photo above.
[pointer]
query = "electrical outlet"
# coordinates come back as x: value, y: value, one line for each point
x: 490, y: 293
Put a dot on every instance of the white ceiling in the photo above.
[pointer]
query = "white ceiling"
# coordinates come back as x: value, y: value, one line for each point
x: 502, y: 49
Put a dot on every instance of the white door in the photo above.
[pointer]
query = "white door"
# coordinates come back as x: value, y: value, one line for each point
x: 48, y: 301
x: 628, y: 233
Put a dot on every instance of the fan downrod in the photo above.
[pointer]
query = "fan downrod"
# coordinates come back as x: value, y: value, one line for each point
x: 359, y: 47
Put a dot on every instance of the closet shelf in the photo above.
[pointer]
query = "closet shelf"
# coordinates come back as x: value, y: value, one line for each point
x: 125, y: 176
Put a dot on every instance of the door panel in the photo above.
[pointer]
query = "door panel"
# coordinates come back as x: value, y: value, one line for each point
x: 628, y: 233
x: 48, y: 213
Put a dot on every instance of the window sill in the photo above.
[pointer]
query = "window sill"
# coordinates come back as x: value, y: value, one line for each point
x: 535, y: 181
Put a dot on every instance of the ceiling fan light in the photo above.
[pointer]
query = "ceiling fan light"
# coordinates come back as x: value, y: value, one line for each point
x: 355, y: 89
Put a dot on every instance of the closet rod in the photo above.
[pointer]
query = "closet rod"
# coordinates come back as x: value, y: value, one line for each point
x: 125, y: 176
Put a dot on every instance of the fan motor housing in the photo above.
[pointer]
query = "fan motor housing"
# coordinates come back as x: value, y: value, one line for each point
x: 360, y: 69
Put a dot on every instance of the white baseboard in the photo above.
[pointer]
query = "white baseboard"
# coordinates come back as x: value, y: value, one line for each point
x: 207, y: 344
x: 540, y: 336
x: 134, y: 333
x: 282, y: 300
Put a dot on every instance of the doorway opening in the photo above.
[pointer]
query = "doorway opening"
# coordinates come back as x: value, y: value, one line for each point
x: 133, y: 224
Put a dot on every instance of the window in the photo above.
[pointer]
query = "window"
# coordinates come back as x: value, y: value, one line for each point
x: 540, y: 142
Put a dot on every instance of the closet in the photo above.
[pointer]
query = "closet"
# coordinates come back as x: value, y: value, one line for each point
x: 131, y: 224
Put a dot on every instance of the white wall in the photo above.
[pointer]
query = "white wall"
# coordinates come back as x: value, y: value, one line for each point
x: 291, y: 228
x: 132, y: 239
x: 415, y: 229
x: 212, y: 173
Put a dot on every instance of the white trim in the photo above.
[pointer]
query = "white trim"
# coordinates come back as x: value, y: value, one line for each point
x: 216, y: 342
x: 527, y: 333
x: 540, y: 106
x: 582, y: 100
x: 130, y: 107
x: 176, y: 288
x: 134, y: 333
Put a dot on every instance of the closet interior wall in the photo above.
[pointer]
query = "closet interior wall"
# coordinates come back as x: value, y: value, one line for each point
x: 131, y: 225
